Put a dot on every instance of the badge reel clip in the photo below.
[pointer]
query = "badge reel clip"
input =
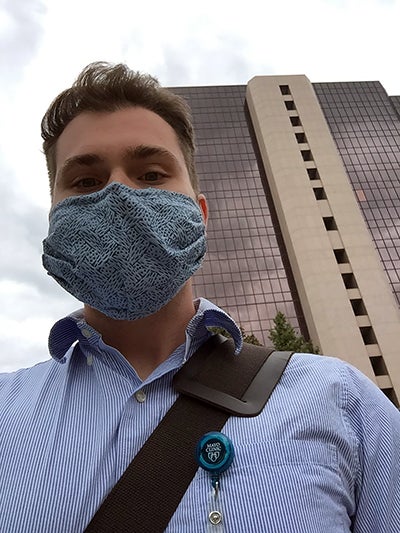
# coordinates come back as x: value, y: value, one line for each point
x: 215, y: 453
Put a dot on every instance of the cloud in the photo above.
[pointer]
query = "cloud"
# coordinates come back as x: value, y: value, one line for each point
x: 30, y: 300
x: 21, y: 31
x: 45, y: 44
x: 228, y: 62
x: 24, y: 226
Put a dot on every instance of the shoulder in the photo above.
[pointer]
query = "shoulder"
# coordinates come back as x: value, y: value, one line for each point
x: 312, y: 376
x: 330, y: 387
x: 324, y: 375
x: 14, y: 386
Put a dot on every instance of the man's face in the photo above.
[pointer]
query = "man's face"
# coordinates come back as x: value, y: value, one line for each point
x: 132, y: 146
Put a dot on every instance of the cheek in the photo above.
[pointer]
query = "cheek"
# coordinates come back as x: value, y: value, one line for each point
x: 58, y: 194
x: 184, y: 187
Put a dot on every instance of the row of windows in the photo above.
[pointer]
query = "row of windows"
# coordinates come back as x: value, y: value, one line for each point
x: 230, y: 132
x: 226, y: 95
x: 345, y: 137
x: 210, y: 275
x: 390, y: 194
x: 224, y: 162
x: 350, y: 110
x: 245, y: 167
x: 227, y: 204
x: 213, y: 159
x: 354, y: 123
x: 370, y: 158
x: 366, y: 128
x: 227, y: 149
x: 384, y: 172
x: 373, y: 99
x: 261, y: 291
x: 385, y: 229
x: 254, y: 201
x: 253, y: 263
x: 368, y: 141
x: 244, y: 228
x: 248, y: 254
x: 241, y: 241
x: 376, y: 213
x: 390, y: 153
x: 378, y: 204
x: 346, y: 86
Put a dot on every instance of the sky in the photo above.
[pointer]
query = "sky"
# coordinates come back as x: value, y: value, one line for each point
x: 45, y: 43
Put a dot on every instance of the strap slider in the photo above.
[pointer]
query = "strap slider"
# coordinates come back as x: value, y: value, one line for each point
x: 188, y: 379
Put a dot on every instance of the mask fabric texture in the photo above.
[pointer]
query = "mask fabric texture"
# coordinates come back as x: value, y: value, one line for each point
x: 123, y: 251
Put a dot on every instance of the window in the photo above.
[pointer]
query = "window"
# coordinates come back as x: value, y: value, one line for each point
x: 313, y: 174
x: 284, y: 89
x: 295, y: 121
x: 319, y: 193
x: 330, y: 223
x: 307, y: 155
x: 301, y: 137
x: 290, y: 105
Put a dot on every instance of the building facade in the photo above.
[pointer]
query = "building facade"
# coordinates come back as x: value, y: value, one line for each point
x: 303, y: 182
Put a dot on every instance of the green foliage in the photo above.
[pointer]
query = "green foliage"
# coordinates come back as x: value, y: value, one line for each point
x: 284, y: 337
x: 249, y: 338
x: 220, y: 331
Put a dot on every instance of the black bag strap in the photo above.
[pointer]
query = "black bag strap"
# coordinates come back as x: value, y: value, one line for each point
x: 151, y: 488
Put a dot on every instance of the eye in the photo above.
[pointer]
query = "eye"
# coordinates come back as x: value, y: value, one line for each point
x: 152, y: 176
x: 87, y: 183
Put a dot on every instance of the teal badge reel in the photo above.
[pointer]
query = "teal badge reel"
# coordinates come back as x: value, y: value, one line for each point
x: 215, y: 454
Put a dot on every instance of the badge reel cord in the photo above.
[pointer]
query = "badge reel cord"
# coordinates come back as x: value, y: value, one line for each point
x: 215, y: 453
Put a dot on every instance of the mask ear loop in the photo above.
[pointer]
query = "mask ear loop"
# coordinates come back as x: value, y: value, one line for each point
x: 202, y: 201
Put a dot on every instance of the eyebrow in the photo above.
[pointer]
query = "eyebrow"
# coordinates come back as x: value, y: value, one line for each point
x: 84, y: 160
x: 142, y: 151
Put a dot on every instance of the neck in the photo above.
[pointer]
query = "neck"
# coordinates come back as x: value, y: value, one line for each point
x: 149, y: 341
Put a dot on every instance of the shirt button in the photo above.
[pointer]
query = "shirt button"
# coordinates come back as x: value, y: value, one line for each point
x: 215, y: 517
x: 86, y: 333
x: 140, y: 396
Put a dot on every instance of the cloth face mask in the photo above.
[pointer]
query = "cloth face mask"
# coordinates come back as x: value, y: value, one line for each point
x: 125, y: 252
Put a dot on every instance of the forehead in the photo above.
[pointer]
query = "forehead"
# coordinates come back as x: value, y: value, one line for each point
x: 109, y: 132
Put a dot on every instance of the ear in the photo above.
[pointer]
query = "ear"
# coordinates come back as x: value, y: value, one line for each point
x: 202, y: 201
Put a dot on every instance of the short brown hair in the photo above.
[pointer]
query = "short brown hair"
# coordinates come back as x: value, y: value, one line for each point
x: 106, y: 87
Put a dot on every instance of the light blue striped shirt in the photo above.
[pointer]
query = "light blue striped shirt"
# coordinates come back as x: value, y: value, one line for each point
x: 323, y: 456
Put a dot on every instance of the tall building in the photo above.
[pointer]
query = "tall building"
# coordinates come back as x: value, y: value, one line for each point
x: 303, y: 182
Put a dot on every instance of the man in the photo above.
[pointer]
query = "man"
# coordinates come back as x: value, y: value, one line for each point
x: 126, y: 234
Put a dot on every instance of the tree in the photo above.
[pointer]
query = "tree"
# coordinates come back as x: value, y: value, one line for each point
x: 249, y: 338
x: 284, y: 337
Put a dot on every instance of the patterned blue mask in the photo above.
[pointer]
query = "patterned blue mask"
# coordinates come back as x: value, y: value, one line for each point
x: 123, y: 251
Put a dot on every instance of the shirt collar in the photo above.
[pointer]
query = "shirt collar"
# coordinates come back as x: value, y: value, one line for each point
x: 209, y: 315
x: 73, y: 328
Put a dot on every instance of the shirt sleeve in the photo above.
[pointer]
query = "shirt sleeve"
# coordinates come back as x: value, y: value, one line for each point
x: 375, y: 422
